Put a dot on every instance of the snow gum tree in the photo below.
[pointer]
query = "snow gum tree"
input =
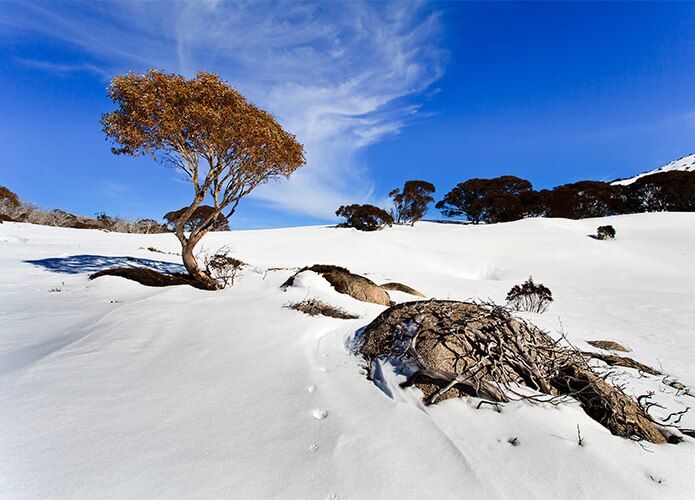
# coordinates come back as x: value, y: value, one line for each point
x: 410, y: 205
x: 224, y: 145
x: 486, y: 200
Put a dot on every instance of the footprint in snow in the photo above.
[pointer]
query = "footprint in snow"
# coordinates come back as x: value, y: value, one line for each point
x: 319, y: 414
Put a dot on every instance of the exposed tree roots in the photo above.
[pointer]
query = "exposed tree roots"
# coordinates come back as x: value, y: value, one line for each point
x: 450, y: 349
x: 149, y: 277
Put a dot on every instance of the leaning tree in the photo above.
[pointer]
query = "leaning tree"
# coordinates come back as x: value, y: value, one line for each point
x: 224, y: 145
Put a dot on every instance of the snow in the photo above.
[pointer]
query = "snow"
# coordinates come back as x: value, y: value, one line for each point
x: 110, y: 389
x: 685, y: 164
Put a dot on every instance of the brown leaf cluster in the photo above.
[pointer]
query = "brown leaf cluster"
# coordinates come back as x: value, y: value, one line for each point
x: 199, y: 119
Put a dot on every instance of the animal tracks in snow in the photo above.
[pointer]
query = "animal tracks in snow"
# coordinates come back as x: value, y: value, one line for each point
x: 319, y: 414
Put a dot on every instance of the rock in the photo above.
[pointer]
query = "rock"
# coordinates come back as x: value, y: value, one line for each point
x: 402, y: 288
x: 344, y: 281
x: 607, y: 345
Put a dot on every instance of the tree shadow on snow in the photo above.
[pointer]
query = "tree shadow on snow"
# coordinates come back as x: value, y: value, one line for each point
x: 76, y: 264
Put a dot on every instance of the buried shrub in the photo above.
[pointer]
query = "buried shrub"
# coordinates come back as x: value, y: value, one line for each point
x: 605, y: 233
x: 222, y: 267
x: 364, y: 217
x: 529, y: 296
x: 315, y: 307
x: 450, y: 349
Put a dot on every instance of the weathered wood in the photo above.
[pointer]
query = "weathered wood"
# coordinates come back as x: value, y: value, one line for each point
x: 457, y: 348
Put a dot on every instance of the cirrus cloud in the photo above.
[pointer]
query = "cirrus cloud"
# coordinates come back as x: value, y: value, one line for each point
x: 339, y: 75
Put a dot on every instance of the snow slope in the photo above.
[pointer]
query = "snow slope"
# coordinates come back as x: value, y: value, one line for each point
x: 109, y: 389
x: 686, y: 164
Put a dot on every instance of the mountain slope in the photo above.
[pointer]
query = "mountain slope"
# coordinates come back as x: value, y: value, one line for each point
x: 112, y: 389
x: 686, y: 164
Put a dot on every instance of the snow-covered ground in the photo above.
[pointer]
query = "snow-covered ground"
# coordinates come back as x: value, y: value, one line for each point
x: 109, y: 389
x: 685, y: 164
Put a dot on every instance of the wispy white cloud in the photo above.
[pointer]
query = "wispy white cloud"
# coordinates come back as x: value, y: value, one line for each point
x: 339, y: 75
x: 65, y: 68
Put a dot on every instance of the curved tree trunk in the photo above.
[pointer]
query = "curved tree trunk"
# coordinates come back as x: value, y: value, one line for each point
x: 191, y: 264
x: 189, y: 260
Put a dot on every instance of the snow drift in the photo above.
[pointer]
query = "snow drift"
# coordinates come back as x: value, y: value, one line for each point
x: 113, y: 389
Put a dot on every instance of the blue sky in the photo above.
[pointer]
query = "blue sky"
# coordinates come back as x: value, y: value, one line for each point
x: 379, y: 93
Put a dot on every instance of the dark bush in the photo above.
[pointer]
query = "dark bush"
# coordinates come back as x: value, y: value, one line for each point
x: 364, y: 217
x: 198, y: 218
x: 605, y: 233
x: 529, y: 296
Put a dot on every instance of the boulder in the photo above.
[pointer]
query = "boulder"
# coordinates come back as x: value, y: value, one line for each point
x: 344, y: 281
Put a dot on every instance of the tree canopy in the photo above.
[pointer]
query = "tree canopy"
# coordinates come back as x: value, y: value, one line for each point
x: 410, y: 205
x: 364, y: 217
x: 486, y: 200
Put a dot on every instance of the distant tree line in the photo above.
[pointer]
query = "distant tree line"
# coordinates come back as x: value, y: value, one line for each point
x: 508, y: 198
x: 14, y: 209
